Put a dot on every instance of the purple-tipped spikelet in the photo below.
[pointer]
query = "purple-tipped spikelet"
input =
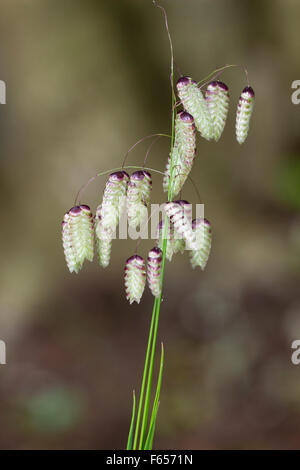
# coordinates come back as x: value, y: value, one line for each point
x: 154, y: 265
x: 113, y: 200
x: 217, y: 99
x: 194, y: 103
x: 243, y: 114
x: 78, y: 237
x: 135, y: 278
x: 183, y: 154
x: 71, y: 260
x: 138, y: 197
x: 180, y: 215
x: 199, y: 256
x: 103, y: 241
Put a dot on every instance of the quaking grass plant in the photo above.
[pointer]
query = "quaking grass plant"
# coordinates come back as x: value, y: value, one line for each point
x: 205, y: 112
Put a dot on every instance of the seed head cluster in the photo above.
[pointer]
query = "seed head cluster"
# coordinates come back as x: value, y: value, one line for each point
x: 203, y: 111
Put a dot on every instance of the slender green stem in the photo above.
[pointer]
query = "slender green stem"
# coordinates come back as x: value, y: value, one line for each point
x: 143, y: 433
x: 129, y: 441
x: 141, y: 398
x: 157, y: 302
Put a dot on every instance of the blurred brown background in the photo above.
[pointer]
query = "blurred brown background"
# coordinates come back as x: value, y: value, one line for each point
x: 85, y: 80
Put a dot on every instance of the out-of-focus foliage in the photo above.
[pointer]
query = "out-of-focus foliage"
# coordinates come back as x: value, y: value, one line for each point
x: 54, y: 410
x: 286, y: 184
x: 85, y: 80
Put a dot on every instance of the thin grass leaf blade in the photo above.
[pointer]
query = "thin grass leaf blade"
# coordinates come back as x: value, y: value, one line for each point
x: 130, y: 435
x: 149, y: 440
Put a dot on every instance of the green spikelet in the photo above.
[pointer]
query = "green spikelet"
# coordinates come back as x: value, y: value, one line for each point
x: 135, y: 278
x: 103, y: 245
x: 194, y: 103
x: 113, y: 201
x: 103, y: 241
x: 178, y: 243
x: 78, y: 237
x: 154, y: 265
x: 183, y: 153
x: 217, y: 99
x: 180, y: 215
x: 177, y: 173
x: 70, y: 256
x: 87, y: 232
x: 138, y: 197
x: 199, y: 256
x: 243, y: 114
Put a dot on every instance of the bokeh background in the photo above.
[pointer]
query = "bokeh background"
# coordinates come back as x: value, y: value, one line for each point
x: 85, y: 80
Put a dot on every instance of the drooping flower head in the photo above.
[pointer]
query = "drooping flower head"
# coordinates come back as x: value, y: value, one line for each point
x: 217, y: 99
x: 243, y: 114
x: 77, y: 236
x: 154, y: 265
x: 183, y: 154
x: 103, y: 240
x: 138, y: 197
x: 199, y: 256
x: 70, y: 256
x: 135, y: 278
x: 113, y: 200
x: 180, y: 215
x: 194, y: 103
